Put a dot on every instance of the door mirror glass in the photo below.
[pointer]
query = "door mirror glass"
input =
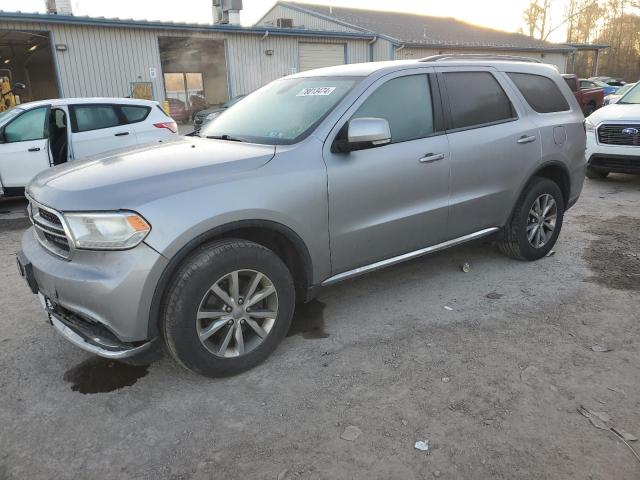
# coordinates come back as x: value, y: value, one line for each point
x: 363, y: 133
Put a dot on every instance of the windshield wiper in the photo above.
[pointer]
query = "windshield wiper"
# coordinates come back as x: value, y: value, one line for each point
x: 228, y: 138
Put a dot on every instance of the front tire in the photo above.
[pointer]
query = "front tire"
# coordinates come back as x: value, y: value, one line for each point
x: 536, y: 221
x: 228, y: 307
x: 596, y: 174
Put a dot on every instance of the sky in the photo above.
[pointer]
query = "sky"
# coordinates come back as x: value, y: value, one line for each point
x: 500, y: 14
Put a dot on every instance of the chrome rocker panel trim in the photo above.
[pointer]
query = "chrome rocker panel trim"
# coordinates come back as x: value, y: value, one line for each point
x: 356, y: 272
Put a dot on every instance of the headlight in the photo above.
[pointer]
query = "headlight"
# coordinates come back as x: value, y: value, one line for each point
x: 589, y: 127
x: 106, y: 231
x: 213, y: 115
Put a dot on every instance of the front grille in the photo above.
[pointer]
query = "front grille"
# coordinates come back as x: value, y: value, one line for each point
x: 619, y: 134
x: 49, y: 229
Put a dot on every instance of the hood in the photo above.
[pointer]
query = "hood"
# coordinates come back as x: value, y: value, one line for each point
x: 616, y: 113
x: 128, y: 178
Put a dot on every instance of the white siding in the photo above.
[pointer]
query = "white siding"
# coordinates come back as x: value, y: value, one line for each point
x: 382, y: 50
x: 303, y: 20
x: 318, y: 55
x: 556, y: 59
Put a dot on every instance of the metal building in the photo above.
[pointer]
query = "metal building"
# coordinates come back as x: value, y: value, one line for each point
x: 58, y: 55
x: 192, y: 66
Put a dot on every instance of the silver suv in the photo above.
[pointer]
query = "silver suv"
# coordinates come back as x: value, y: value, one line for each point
x: 205, y: 245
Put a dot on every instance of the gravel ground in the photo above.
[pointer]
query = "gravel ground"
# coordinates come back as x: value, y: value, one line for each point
x: 493, y: 385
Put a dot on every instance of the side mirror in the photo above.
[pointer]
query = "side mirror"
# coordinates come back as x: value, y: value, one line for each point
x: 364, y: 133
x: 2, y: 137
x: 19, y: 87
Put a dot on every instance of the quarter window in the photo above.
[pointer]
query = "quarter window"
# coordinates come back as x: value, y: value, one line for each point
x: 477, y: 99
x: 134, y: 114
x: 28, y: 126
x: 405, y: 103
x: 540, y: 92
x: 95, y: 117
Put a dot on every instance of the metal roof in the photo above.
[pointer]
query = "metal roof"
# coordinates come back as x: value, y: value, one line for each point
x: 158, y: 25
x: 426, y: 31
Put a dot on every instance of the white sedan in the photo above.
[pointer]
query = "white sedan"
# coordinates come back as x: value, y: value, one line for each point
x: 39, y: 135
x: 613, y: 137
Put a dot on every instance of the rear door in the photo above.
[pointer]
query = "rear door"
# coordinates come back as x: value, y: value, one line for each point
x: 98, y: 128
x: 392, y: 199
x: 137, y: 117
x: 25, y: 151
x: 493, y: 145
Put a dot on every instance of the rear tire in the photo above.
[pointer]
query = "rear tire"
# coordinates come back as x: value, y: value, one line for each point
x: 536, y: 221
x: 208, y: 325
x: 595, y: 174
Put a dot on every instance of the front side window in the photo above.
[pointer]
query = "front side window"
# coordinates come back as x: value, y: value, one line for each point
x: 541, y: 93
x: 405, y: 103
x: 28, y: 126
x: 95, y: 117
x: 477, y: 99
x: 283, y: 112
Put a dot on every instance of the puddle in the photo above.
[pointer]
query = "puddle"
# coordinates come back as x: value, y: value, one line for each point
x: 308, y: 321
x: 614, y: 256
x: 100, y: 375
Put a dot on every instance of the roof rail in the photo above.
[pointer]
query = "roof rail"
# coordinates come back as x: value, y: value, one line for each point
x: 478, y: 56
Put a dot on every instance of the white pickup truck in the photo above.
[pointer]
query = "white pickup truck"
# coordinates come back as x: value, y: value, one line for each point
x: 39, y: 135
x: 613, y: 137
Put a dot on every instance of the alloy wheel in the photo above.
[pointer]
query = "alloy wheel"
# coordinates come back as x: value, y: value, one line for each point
x: 541, y: 222
x: 237, y: 313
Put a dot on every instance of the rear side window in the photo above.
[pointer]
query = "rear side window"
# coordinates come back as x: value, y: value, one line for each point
x: 572, y: 82
x: 95, y: 117
x: 540, y: 92
x: 477, y: 99
x: 405, y: 103
x: 133, y: 114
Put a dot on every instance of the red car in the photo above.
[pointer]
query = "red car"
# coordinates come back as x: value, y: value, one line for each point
x: 590, y: 99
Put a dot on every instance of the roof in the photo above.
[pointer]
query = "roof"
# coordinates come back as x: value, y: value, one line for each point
x: 66, y: 101
x: 370, y: 68
x: 426, y: 31
x: 158, y: 25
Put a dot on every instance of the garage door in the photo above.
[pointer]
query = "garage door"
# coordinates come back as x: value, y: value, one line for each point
x: 318, y: 55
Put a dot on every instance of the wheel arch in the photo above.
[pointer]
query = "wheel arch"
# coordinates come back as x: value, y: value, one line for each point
x: 555, y: 171
x: 286, y: 243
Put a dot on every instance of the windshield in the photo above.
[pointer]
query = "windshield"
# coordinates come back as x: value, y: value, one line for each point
x: 281, y: 113
x: 632, y: 96
x: 9, y: 114
x: 601, y: 84
x: 622, y: 90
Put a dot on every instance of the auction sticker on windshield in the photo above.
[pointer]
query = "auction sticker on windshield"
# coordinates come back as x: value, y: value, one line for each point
x: 316, y: 91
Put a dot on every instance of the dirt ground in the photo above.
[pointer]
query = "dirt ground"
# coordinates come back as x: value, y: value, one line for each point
x: 492, y: 385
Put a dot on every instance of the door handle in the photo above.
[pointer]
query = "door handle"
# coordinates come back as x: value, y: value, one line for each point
x: 34, y: 149
x: 527, y: 139
x: 432, y: 157
x: 121, y: 134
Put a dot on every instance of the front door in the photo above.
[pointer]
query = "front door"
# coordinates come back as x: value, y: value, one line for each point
x: 25, y: 151
x: 98, y: 128
x: 392, y: 199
